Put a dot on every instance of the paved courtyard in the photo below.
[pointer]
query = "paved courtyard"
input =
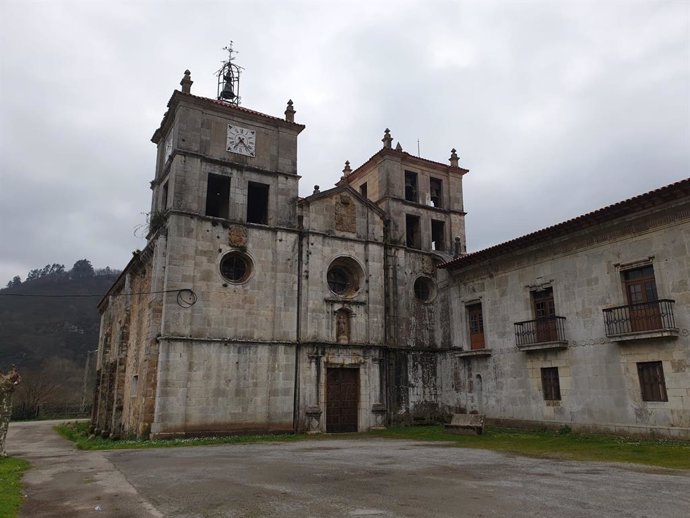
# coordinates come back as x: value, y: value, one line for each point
x: 331, y: 477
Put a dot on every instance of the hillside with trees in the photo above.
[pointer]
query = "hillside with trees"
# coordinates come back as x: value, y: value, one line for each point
x: 48, y: 324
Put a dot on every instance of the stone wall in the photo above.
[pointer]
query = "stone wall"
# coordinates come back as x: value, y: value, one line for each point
x: 599, y: 381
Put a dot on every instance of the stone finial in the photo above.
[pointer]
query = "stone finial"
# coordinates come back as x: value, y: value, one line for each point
x: 387, y: 139
x: 347, y: 170
x: 186, y: 82
x: 398, y: 147
x: 290, y: 112
x: 453, y: 158
x: 316, y: 190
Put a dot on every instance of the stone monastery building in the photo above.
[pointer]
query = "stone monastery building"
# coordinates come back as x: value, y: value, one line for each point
x: 253, y: 310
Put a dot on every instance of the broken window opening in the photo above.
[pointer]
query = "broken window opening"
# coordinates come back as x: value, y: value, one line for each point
x: 436, y: 191
x: 437, y: 238
x: 135, y: 385
x: 413, y: 235
x: 218, y: 196
x: 550, y: 384
x: 363, y: 190
x: 164, y: 197
x: 411, y: 186
x: 257, y: 203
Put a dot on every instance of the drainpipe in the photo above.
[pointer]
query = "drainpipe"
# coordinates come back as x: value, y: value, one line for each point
x: 300, y: 247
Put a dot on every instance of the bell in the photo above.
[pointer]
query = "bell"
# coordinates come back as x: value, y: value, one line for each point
x: 227, y: 92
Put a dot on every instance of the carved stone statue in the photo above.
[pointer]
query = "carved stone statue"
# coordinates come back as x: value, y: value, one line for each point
x: 8, y: 383
x: 342, y: 326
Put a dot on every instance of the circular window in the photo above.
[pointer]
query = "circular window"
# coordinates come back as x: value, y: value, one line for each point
x: 424, y: 289
x: 344, y: 276
x: 235, y: 267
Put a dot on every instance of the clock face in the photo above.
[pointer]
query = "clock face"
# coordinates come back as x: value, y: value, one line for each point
x: 241, y: 140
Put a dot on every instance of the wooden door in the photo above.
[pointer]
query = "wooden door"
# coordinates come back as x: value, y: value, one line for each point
x: 474, y: 313
x: 342, y: 400
x: 545, y: 312
x: 640, y: 289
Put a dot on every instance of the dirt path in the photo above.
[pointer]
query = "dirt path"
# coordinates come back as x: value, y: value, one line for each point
x: 66, y: 482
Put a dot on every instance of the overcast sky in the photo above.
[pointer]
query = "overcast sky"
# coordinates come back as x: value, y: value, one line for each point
x: 557, y: 108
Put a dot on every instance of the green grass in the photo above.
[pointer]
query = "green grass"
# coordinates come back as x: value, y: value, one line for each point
x: 557, y: 444
x: 78, y: 432
x: 11, y: 471
x: 548, y: 444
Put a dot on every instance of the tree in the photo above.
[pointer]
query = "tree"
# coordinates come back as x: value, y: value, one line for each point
x: 8, y: 383
x: 16, y: 281
x: 82, y: 269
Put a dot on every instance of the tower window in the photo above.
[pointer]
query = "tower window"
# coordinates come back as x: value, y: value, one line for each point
x: 257, y: 203
x: 424, y: 289
x: 164, y: 196
x: 413, y: 237
x: 363, y: 190
x: 437, y: 232
x: 436, y: 191
x: 235, y: 267
x: 411, y: 186
x: 218, y: 196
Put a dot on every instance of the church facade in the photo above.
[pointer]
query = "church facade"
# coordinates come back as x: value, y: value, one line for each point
x: 254, y: 310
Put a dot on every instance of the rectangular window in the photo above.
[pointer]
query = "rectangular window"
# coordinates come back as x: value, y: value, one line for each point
x: 135, y: 386
x: 550, y: 384
x: 652, y: 383
x: 363, y: 190
x: 164, y: 197
x: 436, y: 192
x: 257, y: 203
x: 218, y: 196
x: 476, y: 322
x: 411, y: 186
x: 437, y: 232
x: 413, y: 237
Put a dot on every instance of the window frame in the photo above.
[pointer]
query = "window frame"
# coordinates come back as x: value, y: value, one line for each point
x: 652, y: 381
x: 551, y: 384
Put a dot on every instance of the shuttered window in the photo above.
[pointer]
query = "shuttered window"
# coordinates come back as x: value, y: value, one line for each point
x: 550, y: 384
x: 652, y: 383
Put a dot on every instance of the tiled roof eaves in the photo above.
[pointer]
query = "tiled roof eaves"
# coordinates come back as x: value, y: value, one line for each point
x: 216, y: 103
x: 647, y: 200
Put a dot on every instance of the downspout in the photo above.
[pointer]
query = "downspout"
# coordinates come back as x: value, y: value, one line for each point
x: 298, y: 327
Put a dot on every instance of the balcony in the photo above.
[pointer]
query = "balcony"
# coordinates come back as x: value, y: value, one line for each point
x: 641, y: 321
x: 541, y: 334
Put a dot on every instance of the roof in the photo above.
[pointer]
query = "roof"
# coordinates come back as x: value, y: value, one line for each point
x: 342, y: 188
x: 423, y: 162
x: 178, y: 95
x: 651, y: 199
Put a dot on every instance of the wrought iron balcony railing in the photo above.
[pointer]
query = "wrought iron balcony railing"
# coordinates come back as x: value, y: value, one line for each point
x: 541, y: 330
x: 640, y: 318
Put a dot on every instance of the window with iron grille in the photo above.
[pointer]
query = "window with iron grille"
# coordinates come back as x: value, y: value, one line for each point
x: 550, y: 384
x: 652, y: 384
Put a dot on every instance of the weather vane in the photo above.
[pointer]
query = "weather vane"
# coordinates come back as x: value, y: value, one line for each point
x: 229, y: 78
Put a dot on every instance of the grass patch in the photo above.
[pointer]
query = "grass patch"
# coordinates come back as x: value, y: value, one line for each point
x: 78, y: 432
x: 11, y: 471
x: 557, y: 444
